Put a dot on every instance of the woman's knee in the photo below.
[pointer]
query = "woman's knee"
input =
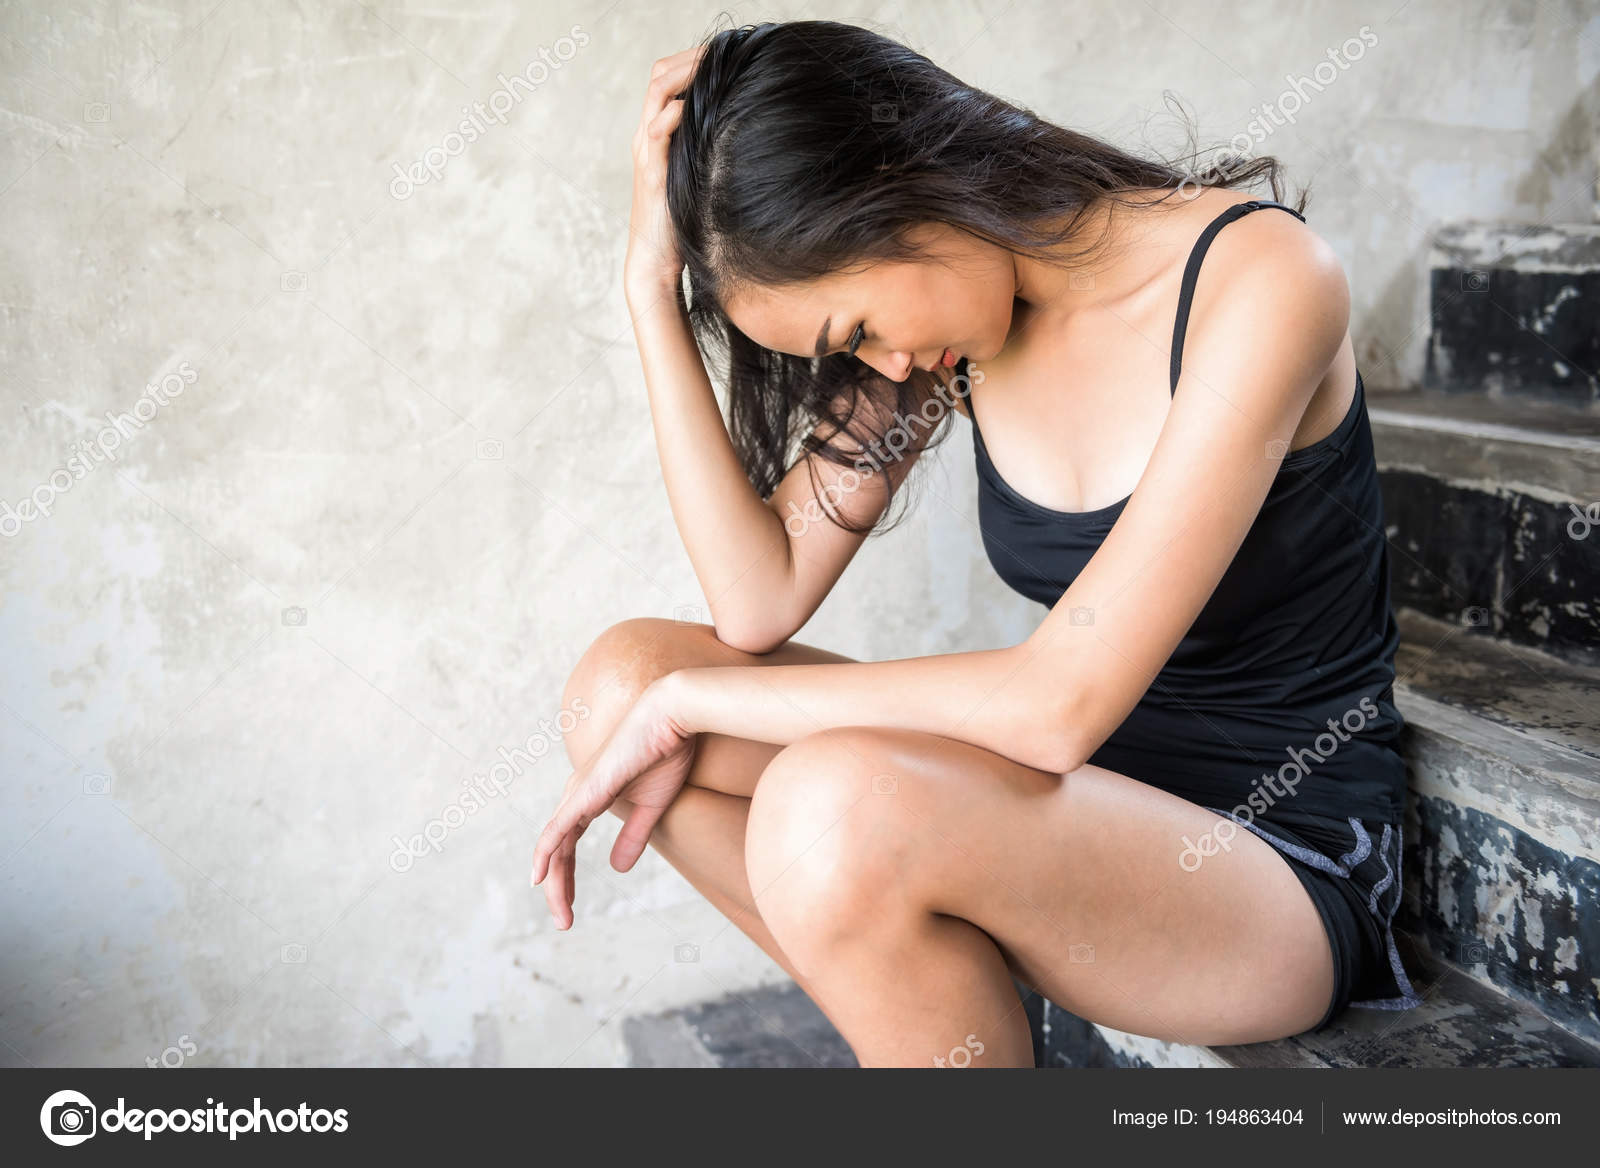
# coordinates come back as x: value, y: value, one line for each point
x: 826, y: 848
x: 617, y: 667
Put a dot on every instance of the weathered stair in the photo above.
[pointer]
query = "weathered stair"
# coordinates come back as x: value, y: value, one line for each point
x: 1493, y: 515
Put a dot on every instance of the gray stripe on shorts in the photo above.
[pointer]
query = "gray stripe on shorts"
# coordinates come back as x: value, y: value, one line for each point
x: 1342, y: 868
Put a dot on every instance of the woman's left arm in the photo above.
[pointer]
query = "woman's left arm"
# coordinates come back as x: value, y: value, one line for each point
x: 1258, y: 345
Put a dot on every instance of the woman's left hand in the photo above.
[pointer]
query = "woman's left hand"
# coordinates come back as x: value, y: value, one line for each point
x: 645, y: 760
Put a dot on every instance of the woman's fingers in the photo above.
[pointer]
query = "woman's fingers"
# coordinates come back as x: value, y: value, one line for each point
x: 650, y: 151
x: 558, y: 889
x: 634, y: 836
x: 572, y: 819
x: 548, y: 838
x: 662, y: 125
x: 561, y: 858
x: 565, y: 818
x: 566, y: 892
x: 677, y: 69
x: 649, y: 223
x: 670, y: 76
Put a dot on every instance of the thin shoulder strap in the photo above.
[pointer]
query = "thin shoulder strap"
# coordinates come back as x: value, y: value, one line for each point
x: 1192, y: 272
x: 972, y: 414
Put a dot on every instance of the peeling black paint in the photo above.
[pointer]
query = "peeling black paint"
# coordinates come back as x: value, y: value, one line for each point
x: 1503, y: 562
x: 1529, y: 333
x: 1061, y: 1039
x: 1506, y: 907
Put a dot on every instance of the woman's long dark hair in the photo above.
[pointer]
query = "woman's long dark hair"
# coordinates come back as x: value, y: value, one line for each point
x: 809, y: 147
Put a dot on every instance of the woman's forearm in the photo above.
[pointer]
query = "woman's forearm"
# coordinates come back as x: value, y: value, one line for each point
x: 1010, y: 701
x: 736, y: 543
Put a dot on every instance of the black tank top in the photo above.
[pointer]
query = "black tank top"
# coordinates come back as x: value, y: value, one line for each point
x: 1281, y: 692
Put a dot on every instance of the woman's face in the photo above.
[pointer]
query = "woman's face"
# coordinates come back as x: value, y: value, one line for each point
x: 957, y: 295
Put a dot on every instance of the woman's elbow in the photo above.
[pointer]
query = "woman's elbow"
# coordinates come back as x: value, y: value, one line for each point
x: 1054, y: 754
x: 1055, y: 743
x: 748, y: 636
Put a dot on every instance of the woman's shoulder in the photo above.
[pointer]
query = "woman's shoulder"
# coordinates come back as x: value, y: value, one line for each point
x: 1266, y: 245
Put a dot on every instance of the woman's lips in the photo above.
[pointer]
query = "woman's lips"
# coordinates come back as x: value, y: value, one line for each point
x: 949, y: 358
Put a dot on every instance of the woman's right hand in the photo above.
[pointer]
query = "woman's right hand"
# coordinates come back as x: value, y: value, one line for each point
x: 653, y: 265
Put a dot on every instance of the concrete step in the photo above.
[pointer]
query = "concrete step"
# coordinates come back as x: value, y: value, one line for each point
x: 770, y: 1026
x: 1515, y: 310
x: 1492, y: 509
x: 1502, y: 832
x: 1461, y: 1023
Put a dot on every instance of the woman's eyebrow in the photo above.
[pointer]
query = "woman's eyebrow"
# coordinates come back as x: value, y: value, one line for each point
x: 822, y: 338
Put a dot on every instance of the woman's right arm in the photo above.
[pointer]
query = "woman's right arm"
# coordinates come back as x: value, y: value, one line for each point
x: 764, y: 565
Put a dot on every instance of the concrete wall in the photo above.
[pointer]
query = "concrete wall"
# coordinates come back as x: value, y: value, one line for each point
x: 402, y: 471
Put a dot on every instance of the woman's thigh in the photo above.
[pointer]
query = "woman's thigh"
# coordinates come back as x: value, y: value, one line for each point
x: 1077, y: 879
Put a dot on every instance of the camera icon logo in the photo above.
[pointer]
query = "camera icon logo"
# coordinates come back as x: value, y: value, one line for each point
x: 292, y: 282
x: 96, y: 111
x: 885, y: 784
x: 1080, y: 954
x: 97, y: 784
x: 1474, y: 280
x: 1472, y: 953
x: 68, y: 1118
x: 294, y: 615
x: 293, y: 955
x: 885, y: 111
x: 1080, y: 615
x: 687, y: 614
x: 685, y: 953
x: 1277, y: 448
x: 491, y: 448
x: 1475, y: 616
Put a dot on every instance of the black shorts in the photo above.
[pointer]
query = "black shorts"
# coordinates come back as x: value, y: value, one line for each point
x: 1351, y: 869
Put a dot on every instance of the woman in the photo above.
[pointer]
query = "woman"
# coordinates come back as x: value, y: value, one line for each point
x: 1173, y: 809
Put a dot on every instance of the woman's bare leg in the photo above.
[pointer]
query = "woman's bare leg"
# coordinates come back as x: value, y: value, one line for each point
x: 909, y: 876
x: 702, y: 833
x: 904, y: 880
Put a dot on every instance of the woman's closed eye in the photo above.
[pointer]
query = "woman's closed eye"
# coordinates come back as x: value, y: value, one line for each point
x: 856, y: 338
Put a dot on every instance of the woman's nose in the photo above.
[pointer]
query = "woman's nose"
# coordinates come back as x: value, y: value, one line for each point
x: 896, y: 366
